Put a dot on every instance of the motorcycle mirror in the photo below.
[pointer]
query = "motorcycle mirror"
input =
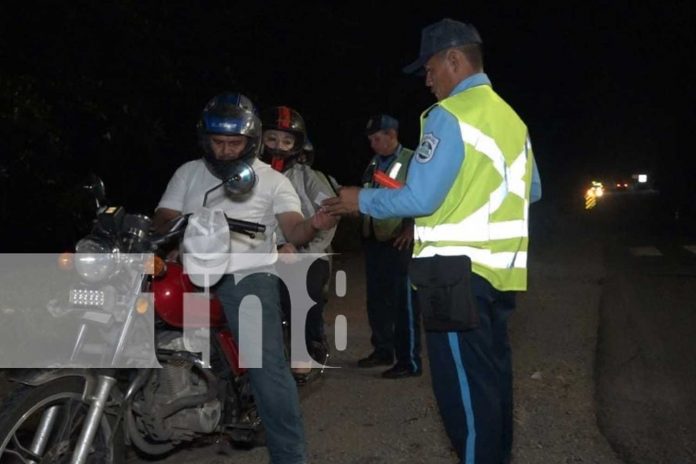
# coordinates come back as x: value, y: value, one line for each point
x: 241, y: 179
x: 95, y: 186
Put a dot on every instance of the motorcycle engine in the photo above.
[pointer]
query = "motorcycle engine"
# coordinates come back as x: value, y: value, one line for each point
x: 178, y: 379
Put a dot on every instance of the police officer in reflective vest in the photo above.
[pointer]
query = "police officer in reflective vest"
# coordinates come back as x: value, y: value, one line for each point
x: 388, y: 245
x: 469, y: 188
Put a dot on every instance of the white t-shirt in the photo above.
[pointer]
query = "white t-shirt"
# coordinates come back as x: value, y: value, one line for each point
x: 273, y: 194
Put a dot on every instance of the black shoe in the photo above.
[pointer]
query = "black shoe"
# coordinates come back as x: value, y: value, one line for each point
x: 319, y: 351
x: 375, y: 359
x: 302, y: 378
x: 399, y: 372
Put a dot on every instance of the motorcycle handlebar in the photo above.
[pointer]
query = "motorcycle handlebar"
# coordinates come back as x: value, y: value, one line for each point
x: 179, y: 226
x: 238, y: 225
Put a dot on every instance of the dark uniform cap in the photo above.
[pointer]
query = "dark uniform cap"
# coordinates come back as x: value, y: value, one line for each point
x: 380, y: 122
x: 441, y: 35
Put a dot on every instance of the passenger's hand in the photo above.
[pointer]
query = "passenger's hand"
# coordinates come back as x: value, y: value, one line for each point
x: 345, y: 203
x: 404, y: 239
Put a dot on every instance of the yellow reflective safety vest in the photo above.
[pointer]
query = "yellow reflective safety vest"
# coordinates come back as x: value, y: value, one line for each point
x: 386, y: 229
x: 485, y: 213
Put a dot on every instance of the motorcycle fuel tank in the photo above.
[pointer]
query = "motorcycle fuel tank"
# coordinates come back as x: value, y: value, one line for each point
x: 202, y: 309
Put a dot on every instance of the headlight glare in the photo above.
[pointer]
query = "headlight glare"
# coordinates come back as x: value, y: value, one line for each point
x: 94, y: 259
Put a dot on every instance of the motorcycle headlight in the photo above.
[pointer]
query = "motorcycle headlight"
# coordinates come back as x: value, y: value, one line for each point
x: 94, y: 259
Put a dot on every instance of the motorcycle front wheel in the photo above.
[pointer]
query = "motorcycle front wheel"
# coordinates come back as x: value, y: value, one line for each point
x: 42, y: 424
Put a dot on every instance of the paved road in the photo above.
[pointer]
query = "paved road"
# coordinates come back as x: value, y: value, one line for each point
x: 646, y: 366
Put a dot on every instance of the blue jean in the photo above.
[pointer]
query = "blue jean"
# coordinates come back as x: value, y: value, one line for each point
x: 275, y: 390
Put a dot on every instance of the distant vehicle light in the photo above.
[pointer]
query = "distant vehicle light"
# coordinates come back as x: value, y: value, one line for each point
x: 642, y: 178
x: 595, y: 191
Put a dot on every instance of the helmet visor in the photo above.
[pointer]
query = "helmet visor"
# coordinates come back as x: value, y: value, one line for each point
x: 232, y: 121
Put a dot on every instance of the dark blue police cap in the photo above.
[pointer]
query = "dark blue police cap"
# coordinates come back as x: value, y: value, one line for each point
x: 380, y: 122
x: 441, y: 35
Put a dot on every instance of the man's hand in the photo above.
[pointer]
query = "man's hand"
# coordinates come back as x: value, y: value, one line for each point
x: 323, y: 221
x: 287, y: 253
x: 287, y: 248
x: 345, y: 203
x: 163, y: 218
x: 405, y: 238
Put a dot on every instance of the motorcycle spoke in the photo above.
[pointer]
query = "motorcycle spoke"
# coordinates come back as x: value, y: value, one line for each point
x: 22, y: 453
x: 47, y: 423
x: 71, y: 423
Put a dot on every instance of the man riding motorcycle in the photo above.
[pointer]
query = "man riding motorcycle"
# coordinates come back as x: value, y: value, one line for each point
x: 229, y: 133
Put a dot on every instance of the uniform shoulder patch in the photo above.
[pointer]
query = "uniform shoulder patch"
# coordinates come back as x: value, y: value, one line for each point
x: 426, y: 148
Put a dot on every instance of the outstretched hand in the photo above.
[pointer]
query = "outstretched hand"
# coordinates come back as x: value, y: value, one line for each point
x: 347, y: 202
x: 323, y: 220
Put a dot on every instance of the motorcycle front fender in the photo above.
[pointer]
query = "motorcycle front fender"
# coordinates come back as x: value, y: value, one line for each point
x: 36, y: 377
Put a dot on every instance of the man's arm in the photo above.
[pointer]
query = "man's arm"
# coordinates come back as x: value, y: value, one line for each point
x: 298, y: 230
x: 162, y: 218
x: 295, y: 228
x: 171, y: 204
x: 435, y: 165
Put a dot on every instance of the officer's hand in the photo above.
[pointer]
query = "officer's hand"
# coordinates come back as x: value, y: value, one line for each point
x: 404, y: 239
x: 345, y: 203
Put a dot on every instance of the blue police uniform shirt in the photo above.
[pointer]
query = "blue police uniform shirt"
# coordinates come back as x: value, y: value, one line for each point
x: 421, y: 196
x: 384, y: 162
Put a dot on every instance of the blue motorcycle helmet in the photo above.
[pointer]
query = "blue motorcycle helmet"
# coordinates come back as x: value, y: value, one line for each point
x: 230, y: 113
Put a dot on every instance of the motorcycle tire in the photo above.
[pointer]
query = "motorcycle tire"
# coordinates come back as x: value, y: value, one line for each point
x: 21, y: 412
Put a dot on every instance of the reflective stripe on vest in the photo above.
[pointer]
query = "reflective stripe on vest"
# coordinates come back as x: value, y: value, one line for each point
x: 476, y: 227
x: 386, y: 229
x: 394, y: 171
x: 500, y: 260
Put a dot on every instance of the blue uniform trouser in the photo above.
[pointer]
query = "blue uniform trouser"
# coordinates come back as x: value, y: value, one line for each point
x: 274, y: 388
x: 472, y: 379
x: 393, y: 319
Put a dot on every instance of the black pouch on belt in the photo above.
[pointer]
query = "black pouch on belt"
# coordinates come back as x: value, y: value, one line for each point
x: 444, y: 293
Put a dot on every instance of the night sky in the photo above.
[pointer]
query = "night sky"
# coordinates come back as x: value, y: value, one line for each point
x: 605, y: 87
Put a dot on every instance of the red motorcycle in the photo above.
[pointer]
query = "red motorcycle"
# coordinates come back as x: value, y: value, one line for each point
x: 81, y: 415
